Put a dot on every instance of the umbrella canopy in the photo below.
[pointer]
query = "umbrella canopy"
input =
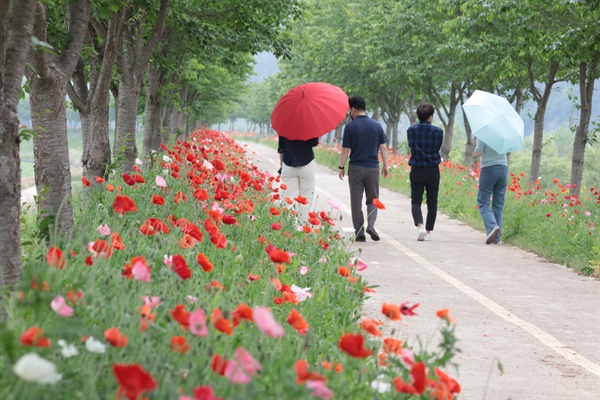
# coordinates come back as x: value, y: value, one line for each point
x: 309, y: 110
x: 494, y: 121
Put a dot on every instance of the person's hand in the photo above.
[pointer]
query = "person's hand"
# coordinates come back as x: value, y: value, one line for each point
x: 279, y: 171
x: 341, y: 174
x: 385, y: 171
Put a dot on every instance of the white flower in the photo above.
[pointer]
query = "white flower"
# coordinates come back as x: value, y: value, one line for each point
x: 167, y: 159
x: 33, y: 368
x: 68, y: 350
x: 95, y: 346
x: 301, y: 293
x: 380, y: 385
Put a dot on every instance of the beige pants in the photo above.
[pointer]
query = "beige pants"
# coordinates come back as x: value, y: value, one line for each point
x: 299, y: 181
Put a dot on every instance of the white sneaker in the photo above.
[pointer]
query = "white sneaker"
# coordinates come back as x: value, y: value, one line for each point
x: 422, y: 234
x: 492, y: 235
x: 427, y: 238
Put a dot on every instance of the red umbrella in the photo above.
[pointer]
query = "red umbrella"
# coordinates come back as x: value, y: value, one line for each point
x: 309, y: 110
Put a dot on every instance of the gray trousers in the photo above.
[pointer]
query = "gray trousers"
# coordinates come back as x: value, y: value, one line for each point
x: 362, y: 179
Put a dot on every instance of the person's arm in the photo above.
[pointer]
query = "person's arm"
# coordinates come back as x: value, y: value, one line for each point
x: 313, y: 142
x: 384, y: 157
x: 343, y: 157
x: 478, y: 149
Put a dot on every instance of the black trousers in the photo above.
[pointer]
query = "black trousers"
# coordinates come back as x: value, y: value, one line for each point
x: 424, y: 180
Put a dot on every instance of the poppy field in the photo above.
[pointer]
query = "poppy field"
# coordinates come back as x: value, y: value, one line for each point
x: 190, y: 278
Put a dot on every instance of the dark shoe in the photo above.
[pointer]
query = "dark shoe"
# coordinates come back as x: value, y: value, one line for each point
x: 492, y: 235
x: 373, y: 234
x: 360, y: 239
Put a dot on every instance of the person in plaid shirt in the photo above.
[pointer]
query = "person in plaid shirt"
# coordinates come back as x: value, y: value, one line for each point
x: 425, y: 141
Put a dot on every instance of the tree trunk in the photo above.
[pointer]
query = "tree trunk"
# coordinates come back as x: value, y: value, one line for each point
x: 587, y: 73
x: 48, y: 86
x: 540, y: 114
x: 152, y: 124
x: 125, y: 144
x: 15, y: 41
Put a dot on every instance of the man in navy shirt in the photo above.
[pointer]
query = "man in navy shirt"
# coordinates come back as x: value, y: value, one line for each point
x: 363, y: 140
x: 425, y: 141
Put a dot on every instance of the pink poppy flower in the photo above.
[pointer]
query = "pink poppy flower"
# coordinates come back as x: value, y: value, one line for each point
x: 153, y: 301
x: 160, y: 181
x: 207, y: 165
x: 191, y: 299
x: 266, y: 323
x: 242, y: 367
x: 139, y: 162
x: 359, y: 264
x: 304, y: 270
x: 60, y: 306
x: 197, y: 321
x: 301, y: 293
x: 103, y: 229
x: 587, y: 213
x: 168, y: 260
x: 140, y: 272
x: 319, y: 389
x: 335, y: 203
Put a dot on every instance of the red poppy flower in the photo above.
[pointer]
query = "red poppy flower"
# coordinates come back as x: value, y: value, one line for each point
x: 354, y: 345
x: 344, y: 271
x: 403, y: 387
x: 100, y: 249
x: 34, y: 336
x: 115, y: 241
x: 180, y: 196
x: 274, y: 211
x: 186, y: 241
x: 138, y: 178
x: 303, y: 374
x: 204, y: 262
x: 158, y: 200
x: 301, y: 200
x: 392, y: 311
x: 417, y: 371
x: 370, y: 325
x: 55, y: 258
x: 85, y: 181
x: 219, y: 364
x: 378, y: 204
x: 128, y: 179
x: 275, y: 226
x: 445, y: 314
x: 391, y: 345
x: 180, y: 267
x: 297, y: 322
x: 449, y: 385
x: 133, y: 380
x: 201, y: 195
x: 179, y: 344
x: 115, y: 337
x: 218, y: 164
x: 192, y: 230
x: 242, y: 312
x: 220, y: 323
x: 229, y: 219
x: 180, y: 315
x: 99, y: 179
x: 110, y: 187
x: 405, y: 309
x: 279, y: 256
x: 89, y: 261
x: 124, y: 204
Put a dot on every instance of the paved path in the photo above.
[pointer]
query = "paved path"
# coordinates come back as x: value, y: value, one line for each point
x: 540, y: 320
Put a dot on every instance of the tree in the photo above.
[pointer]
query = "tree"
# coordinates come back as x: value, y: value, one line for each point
x: 48, y: 79
x: 16, y: 27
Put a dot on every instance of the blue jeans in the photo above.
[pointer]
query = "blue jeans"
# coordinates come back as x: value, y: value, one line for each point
x: 492, y: 183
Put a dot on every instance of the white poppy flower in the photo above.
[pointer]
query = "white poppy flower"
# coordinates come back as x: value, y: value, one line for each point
x: 95, y: 346
x: 68, y: 350
x: 33, y: 368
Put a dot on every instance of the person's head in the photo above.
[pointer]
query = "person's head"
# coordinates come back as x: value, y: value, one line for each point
x: 424, y: 111
x: 357, y: 106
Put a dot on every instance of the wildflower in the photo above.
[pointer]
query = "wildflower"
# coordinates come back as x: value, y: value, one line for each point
x: 242, y: 367
x: 33, y: 368
x: 319, y: 389
x: 301, y: 200
x: 133, y: 380
x: 85, y: 181
x: 204, y: 262
x: 304, y: 270
x: 94, y: 346
x: 336, y: 204
x: 115, y: 241
x: 370, y: 325
x: 124, y: 204
x: 99, y: 248
x: 219, y: 364
x: 392, y: 311
x: 103, y: 229
x: 180, y: 267
x: 445, y: 315
x: 140, y: 270
x: 179, y: 344
x: 160, y: 181
x: 205, y: 392
x: 301, y: 293
x: 220, y: 323
x: 405, y: 309
x: 115, y: 337
x: 266, y: 323
x: 343, y: 271
x: 180, y: 315
x: 297, y: 322
x: 158, y: 199
x: 186, y: 241
x: 55, y: 258
x: 279, y: 256
x: 354, y: 345
x: 60, y: 306
x: 391, y: 345
x: 34, y: 336
x: 197, y: 323
x: 242, y: 312
x: 67, y: 350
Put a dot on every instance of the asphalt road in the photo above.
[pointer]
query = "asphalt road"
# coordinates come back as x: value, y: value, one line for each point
x: 539, y: 320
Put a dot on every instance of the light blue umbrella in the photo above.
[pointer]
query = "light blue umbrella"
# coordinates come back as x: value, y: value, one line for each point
x: 494, y: 121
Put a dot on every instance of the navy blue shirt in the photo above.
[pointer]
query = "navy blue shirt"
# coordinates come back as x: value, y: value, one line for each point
x: 425, y: 142
x: 363, y: 136
x: 297, y: 153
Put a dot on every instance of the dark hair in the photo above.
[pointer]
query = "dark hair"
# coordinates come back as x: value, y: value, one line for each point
x: 357, y: 102
x: 424, y: 111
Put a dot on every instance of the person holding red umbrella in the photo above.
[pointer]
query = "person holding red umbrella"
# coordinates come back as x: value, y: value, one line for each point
x: 363, y: 140
x: 298, y: 172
